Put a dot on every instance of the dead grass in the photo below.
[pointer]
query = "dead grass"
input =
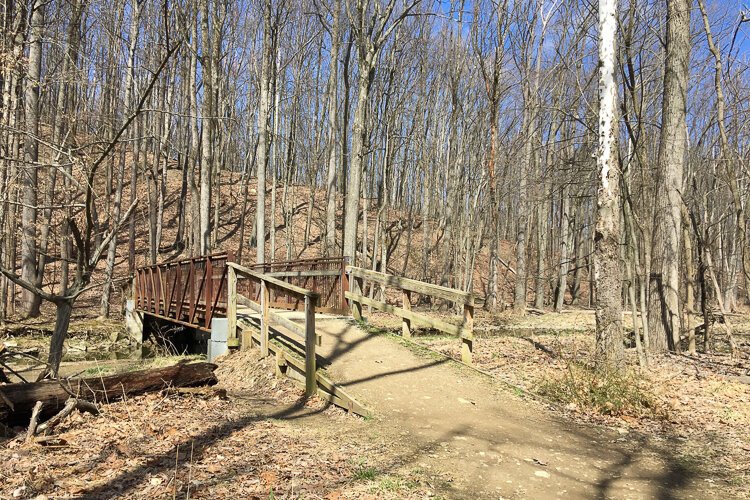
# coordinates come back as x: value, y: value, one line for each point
x: 605, y: 393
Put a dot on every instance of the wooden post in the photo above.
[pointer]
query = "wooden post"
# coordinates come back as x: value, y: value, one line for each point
x: 265, y: 301
x: 467, y: 333
x: 357, y: 285
x: 208, y: 293
x: 247, y: 340
x: 311, y: 384
x: 232, y: 340
x: 344, y: 284
x: 406, y: 323
x: 281, y: 364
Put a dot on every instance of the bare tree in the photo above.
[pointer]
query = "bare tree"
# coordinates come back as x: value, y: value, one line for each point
x: 664, y: 308
x: 371, y: 23
x: 609, y: 344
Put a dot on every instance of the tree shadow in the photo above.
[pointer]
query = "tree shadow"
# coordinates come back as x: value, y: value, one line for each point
x: 674, y: 478
x: 163, y: 462
x: 622, y: 462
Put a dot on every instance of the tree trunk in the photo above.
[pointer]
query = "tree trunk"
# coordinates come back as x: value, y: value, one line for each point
x: 333, y: 161
x: 609, y: 346
x: 62, y: 321
x: 519, y: 294
x: 359, y: 151
x: 664, y: 310
x: 562, y: 274
x: 112, y: 250
x: 541, y: 248
x: 54, y: 394
x: 263, y: 114
x: 206, y: 132
x: 32, y: 302
x: 195, y: 146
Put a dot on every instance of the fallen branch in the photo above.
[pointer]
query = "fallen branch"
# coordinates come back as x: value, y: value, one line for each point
x: 70, y: 405
x: 34, y: 420
x: 203, y: 392
x: 53, y: 441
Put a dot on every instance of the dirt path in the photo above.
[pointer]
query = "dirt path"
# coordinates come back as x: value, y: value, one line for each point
x: 486, y: 440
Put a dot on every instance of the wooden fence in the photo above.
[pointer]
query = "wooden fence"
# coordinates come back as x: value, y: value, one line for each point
x: 464, y: 330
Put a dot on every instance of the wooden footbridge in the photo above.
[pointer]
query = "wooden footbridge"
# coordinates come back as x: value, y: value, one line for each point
x: 273, y: 307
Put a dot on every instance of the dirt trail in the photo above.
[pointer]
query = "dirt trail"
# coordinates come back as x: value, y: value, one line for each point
x: 488, y: 441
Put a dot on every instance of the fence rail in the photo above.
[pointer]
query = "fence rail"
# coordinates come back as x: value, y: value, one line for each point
x: 465, y: 330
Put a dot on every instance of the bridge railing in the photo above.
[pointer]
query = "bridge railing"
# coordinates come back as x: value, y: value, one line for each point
x: 464, y: 330
x: 189, y: 291
x: 266, y: 284
x: 326, y: 276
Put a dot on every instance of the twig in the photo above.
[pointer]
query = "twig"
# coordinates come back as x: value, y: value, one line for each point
x: 34, y: 420
x: 11, y: 370
x: 176, y: 464
x: 70, y: 405
x: 167, y: 389
x: 190, y: 470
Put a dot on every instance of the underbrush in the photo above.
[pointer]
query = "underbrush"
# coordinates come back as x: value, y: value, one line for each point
x: 604, y: 392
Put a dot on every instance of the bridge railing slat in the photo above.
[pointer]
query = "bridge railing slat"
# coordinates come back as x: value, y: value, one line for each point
x: 191, y: 291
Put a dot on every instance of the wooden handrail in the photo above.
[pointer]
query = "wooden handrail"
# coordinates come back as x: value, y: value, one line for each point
x: 411, y: 285
x: 299, y: 291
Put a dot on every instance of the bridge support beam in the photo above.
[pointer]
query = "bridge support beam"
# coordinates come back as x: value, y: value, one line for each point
x: 217, y: 345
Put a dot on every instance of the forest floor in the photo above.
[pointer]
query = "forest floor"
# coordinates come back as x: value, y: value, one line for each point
x: 440, y: 429
x: 263, y: 441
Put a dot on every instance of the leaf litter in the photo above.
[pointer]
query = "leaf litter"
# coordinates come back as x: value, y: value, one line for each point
x: 263, y: 441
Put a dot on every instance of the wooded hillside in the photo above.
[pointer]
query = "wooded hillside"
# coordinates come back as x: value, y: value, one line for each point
x: 454, y: 142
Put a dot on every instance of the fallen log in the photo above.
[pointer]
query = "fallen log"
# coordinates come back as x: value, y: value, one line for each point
x: 54, y: 393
